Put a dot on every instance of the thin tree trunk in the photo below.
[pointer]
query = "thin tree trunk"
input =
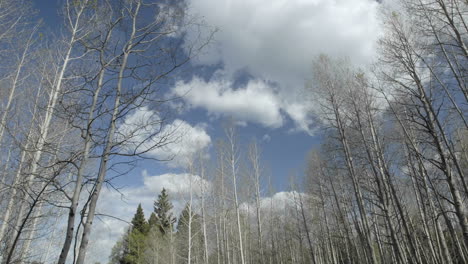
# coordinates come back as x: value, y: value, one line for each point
x: 306, y: 227
x: 205, y: 235
x: 357, y: 189
x: 83, y: 165
x: 106, y: 152
x: 233, y: 164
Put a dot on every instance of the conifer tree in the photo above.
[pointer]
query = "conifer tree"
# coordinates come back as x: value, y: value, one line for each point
x: 152, y: 221
x: 139, y: 222
x: 162, y: 208
x: 136, y: 248
x: 120, y: 250
x: 134, y: 245
x: 196, y: 239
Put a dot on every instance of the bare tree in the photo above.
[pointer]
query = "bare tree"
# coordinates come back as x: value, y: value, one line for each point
x: 332, y: 78
x: 256, y: 171
x: 233, y: 159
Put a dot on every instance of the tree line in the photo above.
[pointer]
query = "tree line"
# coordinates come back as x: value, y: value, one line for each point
x: 160, y: 239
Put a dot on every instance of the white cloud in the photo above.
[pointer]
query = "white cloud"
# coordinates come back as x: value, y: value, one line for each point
x: 255, y: 102
x: 177, y: 142
x: 299, y: 111
x: 278, y: 38
x: 280, y: 200
x: 140, y: 126
x: 189, y: 141
x: 179, y: 184
x: 275, y: 41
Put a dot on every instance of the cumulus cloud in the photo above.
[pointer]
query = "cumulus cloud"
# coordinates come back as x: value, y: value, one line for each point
x: 275, y: 41
x: 255, y: 102
x: 178, y: 142
x: 277, y: 38
x: 280, y: 205
x: 189, y: 141
x: 277, y: 203
x: 299, y: 111
x: 179, y: 184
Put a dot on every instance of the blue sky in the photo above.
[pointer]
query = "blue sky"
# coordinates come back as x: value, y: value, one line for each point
x: 283, y: 149
x: 254, y: 71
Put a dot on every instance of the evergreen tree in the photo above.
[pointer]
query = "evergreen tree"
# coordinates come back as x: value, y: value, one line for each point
x: 131, y: 249
x: 183, y: 236
x: 119, y: 250
x: 162, y: 208
x: 139, y: 222
x: 184, y: 218
x: 136, y: 248
x: 153, y: 220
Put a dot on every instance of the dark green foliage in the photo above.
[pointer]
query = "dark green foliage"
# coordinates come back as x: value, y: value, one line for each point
x: 184, y: 218
x: 139, y: 222
x: 146, y: 239
x: 183, y: 236
x: 162, y: 208
x: 136, y: 246
x: 153, y: 220
x: 130, y: 249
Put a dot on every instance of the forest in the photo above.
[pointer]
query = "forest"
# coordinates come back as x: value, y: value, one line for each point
x: 83, y: 106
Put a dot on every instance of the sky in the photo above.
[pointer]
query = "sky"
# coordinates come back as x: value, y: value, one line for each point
x: 254, y: 71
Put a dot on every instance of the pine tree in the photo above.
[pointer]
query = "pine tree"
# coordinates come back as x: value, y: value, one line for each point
x: 184, y: 218
x: 139, y: 222
x: 162, y: 208
x: 120, y: 250
x: 153, y: 220
x: 132, y: 248
x: 136, y: 248
x: 183, y: 235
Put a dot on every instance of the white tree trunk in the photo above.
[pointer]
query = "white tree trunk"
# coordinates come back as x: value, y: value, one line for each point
x: 109, y: 144
x: 233, y: 163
